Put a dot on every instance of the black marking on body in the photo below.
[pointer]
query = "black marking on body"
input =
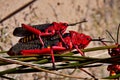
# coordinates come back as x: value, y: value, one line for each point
x: 28, y: 38
x: 34, y: 37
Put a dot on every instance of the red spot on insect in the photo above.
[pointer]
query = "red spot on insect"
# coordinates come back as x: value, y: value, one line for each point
x: 57, y: 27
x: 114, y: 68
x: 115, y: 52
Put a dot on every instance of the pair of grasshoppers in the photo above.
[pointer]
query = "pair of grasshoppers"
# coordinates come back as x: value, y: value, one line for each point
x: 49, y: 39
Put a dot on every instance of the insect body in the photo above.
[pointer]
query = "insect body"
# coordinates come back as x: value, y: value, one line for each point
x: 114, y: 68
x: 48, y: 30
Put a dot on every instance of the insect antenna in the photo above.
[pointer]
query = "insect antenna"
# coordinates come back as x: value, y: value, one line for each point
x: 118, y: 33
x: 101, y: 40
x: 111, y: 35
x: 84, y: 20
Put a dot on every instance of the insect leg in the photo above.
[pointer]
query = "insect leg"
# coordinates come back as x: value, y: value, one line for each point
x: 49, y: 50
x: 53, y: 58
x: 34, y: 31
x: 55, y: 48
x: 40, y: 51
x: 31, y: 29
x: 67, y: 47
x: 79, y: 50
x: 35, y: 51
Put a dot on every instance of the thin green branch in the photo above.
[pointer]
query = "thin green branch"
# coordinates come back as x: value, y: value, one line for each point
x: 3, y: 52
x: 23, y: 69
x: 99, y: 48
x: 35, y: 67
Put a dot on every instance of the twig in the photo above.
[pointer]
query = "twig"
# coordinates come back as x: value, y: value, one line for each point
x: 3, y: 52
x: 88, y: 73
x: 54, y: 11
x: 16, y: 11
x: 7, y: 77
x: 35, y: 67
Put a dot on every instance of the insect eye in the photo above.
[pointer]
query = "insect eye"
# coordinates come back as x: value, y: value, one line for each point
x: 88, y: 39
x: 65, y: 24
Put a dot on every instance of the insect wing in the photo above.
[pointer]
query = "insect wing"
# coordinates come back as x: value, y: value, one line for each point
x: 33, y: 44
x: 15, y: 50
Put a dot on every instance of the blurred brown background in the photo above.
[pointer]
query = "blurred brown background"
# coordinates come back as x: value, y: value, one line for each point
x: 100, y: 14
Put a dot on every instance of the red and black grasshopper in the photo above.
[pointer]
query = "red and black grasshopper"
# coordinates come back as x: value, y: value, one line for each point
x: 56, y: 40
x: 114, y: 68
x: 74, y: 40
x: 44, y: 30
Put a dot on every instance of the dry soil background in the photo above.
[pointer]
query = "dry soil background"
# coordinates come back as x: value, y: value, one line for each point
x: 100, y: 14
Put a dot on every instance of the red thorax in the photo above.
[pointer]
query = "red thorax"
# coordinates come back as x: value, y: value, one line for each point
x: 61, y: 27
